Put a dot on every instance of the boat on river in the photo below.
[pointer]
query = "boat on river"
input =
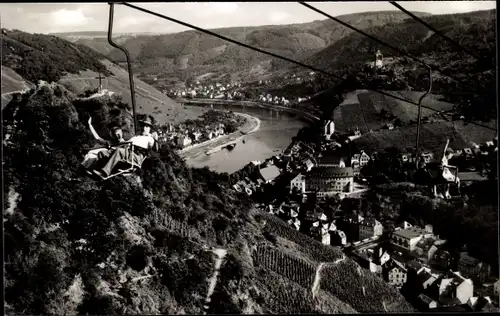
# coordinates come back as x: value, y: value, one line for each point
x: 230, y: 146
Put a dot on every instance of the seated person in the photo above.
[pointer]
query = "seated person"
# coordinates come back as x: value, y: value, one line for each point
x: 136, y: 154
x: 99, y: 153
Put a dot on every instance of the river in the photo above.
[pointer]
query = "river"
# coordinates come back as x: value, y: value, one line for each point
x: 275, y: 134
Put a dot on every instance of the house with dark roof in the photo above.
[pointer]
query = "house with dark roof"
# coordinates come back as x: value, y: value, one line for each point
x: 332, y: 159
x: 370, y: 227
x: 395, y: 272
x: 425, y: 303
x: 454, y: 289
x: 338, y: 238
x: 482, y: 304
x: 427, y: 277
x: 473, y: 268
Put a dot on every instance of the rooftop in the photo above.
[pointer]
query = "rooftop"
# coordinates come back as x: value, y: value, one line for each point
x: 370, y: 222
x: 409, y: 233
x: 270, y: 173
x: 424, y: 298
x: 468, y: 260
x: 333, y: 172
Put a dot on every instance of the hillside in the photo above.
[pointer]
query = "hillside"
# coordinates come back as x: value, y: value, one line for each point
x: 368, y: 110
x: 411, y: 36
x: 473, y: 93
x: 33, y: 57
x: 145, y: 244
x: 192, y: 53
x: 12, y: 82
x: 432, y: 137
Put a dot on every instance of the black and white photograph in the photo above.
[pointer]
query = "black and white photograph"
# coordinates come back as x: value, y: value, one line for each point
x: 165, y: 158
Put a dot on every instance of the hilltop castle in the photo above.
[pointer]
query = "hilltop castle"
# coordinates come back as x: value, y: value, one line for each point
x: 378, y: 59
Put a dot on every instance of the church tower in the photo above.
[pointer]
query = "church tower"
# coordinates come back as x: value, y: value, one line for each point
x: 378, y: 59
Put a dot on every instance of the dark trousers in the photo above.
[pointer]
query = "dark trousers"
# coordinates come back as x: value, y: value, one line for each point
x: 122, y: 155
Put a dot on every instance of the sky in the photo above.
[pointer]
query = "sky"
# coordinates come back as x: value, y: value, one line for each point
x: 75, y: 17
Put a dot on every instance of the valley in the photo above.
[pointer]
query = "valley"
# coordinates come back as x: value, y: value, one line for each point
x: 253, y: 186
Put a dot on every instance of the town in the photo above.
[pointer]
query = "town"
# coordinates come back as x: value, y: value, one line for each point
x: 414, y: 259
x: 263, y: 160
x: 210, y: 89
x: 313, y: 184
x: 210, y: 126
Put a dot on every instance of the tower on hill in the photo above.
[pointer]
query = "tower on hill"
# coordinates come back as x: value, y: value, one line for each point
x: 378, y: 59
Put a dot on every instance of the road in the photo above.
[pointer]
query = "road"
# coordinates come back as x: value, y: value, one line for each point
x: 65, y: 79
x: 12, y: 92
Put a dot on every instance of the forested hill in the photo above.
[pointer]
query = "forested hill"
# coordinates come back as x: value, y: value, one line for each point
x: 473, y: 93
x: 192, y: 53
x: 473, y: 30
x: 145, y: 244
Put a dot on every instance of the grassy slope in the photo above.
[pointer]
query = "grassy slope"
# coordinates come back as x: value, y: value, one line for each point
x: 149, y: 99
x: 12, y: 81
x: 77, y: 72
x: 432, y: 137
x: 362, y: 108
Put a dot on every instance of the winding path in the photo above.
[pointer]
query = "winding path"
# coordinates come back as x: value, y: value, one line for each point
x: 221, y: 253
x: 317, y: 277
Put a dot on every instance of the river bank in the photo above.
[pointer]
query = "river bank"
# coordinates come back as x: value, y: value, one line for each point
x: 304, y: 114
x: 251, y: 125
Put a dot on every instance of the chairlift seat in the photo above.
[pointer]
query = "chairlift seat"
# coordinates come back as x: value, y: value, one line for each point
x: 131, y: 166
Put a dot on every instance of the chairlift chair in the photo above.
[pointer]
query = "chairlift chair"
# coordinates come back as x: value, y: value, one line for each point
x: 132, y: 167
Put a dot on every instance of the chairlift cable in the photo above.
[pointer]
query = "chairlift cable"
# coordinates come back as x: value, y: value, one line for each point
x: 202, y: 30
x: 430, y: 27
x: 373, y: 38
x: 129, y: 64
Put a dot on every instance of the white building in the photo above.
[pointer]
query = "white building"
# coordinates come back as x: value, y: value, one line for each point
x: 360, y: 160
x: 298, y: 182
x: 197, y: 135
x: 408, y: 238
x: 308, y: 163
x: 184, y: 141
x: 329, y: 129
x: 379, y: 59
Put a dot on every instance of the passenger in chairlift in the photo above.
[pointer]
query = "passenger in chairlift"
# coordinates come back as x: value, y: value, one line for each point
x: 141, y: 146
x: 106, y: 149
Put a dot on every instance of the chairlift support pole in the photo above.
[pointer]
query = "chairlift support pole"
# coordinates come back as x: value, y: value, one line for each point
x: 419, y: 117
x: 129, y: 64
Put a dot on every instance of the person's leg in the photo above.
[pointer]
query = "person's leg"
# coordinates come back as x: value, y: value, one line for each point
x: 120, y: 154
x: 91, y: 157
x: 103, y: 158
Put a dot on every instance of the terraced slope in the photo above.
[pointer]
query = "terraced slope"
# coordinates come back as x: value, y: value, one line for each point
x: 432, y: 137
x: 363, y: 109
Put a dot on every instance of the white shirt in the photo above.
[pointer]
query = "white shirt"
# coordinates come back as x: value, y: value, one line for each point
x: 143, y: 141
